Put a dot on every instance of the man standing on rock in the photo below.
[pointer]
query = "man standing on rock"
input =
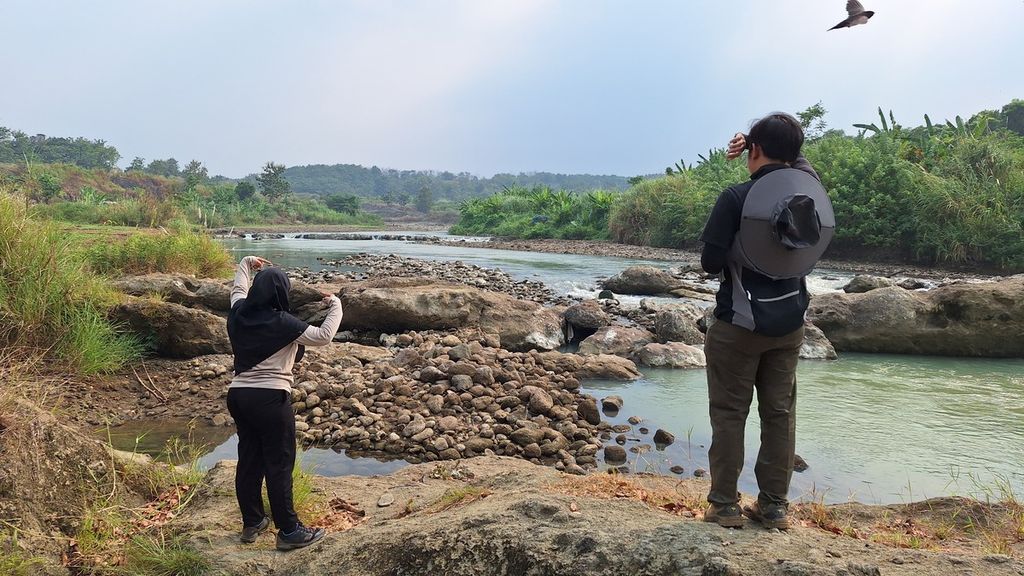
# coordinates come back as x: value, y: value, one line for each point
x: 267, y: 341
x: 754, y: 341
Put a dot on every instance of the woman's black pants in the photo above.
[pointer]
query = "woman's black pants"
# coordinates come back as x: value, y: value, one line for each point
x: 266, y: 449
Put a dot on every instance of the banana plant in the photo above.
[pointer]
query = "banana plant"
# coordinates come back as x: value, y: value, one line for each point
x: 891, y: 130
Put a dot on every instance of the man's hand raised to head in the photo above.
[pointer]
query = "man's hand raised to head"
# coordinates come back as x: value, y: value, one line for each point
x: 736, y: 146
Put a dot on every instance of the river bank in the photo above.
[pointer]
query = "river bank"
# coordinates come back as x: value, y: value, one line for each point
x: 436, y: 234
x: 487, y: 515
x: 616, y: 250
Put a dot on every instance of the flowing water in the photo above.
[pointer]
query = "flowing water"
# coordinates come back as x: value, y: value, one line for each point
x: 877, y: 428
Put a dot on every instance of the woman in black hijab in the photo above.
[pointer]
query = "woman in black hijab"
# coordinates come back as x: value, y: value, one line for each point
x: 267, y: 341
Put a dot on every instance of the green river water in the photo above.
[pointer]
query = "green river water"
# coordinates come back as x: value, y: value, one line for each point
x: 876, y: 428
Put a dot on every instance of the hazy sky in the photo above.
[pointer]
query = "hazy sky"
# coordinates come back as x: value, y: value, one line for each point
x: 484, y: 86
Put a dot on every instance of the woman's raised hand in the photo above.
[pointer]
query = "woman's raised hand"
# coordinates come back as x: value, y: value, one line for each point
x: 327, y: 296
x: 258, y: 263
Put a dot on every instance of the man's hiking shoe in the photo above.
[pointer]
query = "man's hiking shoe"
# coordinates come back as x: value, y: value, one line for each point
x: 725, y: 516
x: 250, y: 533
x: 300, y: 538
x: 770, y: 516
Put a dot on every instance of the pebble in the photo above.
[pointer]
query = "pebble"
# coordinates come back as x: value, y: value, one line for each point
x: 386, y: 499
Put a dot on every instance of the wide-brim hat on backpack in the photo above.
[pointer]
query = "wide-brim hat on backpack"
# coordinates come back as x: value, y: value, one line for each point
x: 786, y: 226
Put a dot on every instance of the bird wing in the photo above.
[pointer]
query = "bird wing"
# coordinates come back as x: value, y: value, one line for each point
x: 854, y: 7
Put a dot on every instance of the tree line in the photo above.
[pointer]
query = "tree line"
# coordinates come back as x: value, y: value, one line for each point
x: 939, y: 192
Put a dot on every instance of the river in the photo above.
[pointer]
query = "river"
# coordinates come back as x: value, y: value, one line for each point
x: 875, y: 428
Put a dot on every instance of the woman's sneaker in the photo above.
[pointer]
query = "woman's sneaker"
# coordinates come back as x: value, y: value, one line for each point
x: 725, y: 516
x: 770, y: 515
x: 300, y: 538
x: 250, y: 533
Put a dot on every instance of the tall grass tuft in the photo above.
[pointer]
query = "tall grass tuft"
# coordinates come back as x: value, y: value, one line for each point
x: 163, y: 555
x: 181, y: 251
x: 50, y: 300
x: 17, y: 563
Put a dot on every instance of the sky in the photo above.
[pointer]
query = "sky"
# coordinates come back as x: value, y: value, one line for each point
x: 485, y: 86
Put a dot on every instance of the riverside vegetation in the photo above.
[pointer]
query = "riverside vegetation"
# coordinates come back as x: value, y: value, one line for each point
x: 937, y: 193
x: 160, y: 194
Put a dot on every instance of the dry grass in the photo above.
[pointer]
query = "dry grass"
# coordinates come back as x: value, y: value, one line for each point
x: 680, y: 497
x: 955, y: 524
x: 341, y: 515
x: 461, y: 496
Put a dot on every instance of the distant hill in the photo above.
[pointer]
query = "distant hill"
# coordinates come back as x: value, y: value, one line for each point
x: 399, y: 185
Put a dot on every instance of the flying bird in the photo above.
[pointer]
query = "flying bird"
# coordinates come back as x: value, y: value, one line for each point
x: 857, y: 15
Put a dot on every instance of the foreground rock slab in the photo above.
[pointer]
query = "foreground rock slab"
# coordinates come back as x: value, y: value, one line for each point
x: 498, y: 516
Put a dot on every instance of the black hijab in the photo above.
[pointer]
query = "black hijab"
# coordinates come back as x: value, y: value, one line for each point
x: 259, y: 325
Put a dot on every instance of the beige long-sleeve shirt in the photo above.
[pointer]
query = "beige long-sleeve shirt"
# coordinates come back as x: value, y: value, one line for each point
x: 275, y: 372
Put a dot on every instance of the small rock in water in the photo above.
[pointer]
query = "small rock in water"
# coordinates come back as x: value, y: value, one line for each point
x: 700, y: 473
x: 644, y: 430
x: 663, y: 438
x: 387, y: 499
x: 677, y: 469
x: 634, y: 420
x: 614, y: 454
x: 611, y: 405
x: 799, y: 464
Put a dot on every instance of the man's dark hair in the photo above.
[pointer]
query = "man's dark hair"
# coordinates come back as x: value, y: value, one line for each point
x: 779, y: 135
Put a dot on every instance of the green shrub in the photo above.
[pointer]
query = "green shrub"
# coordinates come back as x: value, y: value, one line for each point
x: 179, y: 251
x: 539, y: 212
x: 50, y: 301
x: 951, y: 194
x: 147, y: 212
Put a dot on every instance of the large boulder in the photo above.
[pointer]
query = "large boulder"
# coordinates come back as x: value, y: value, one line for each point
x: 864, y: 283
x: 816, y: 346
x: 175, y: 331
x: 679, y: 323
x: 212, y: 295
x: 617, y: 340
x: 209, y: 294
x: 962, y: 319
x: 600, y: 366
x: 607, y: 367
x: 672, y: 355
x: 587, y: 315
x: 642, y: 281
x: 397, y: 305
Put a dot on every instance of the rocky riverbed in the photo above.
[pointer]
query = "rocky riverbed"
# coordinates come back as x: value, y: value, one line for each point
x: 471, y: 382
x: 375, y: 266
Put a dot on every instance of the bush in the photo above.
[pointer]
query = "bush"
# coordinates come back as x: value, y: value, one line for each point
x: 147, y: 212
x: 180, y: 251
x: 50, y: 302
x: 540, y: 212
x: 951, y: 194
